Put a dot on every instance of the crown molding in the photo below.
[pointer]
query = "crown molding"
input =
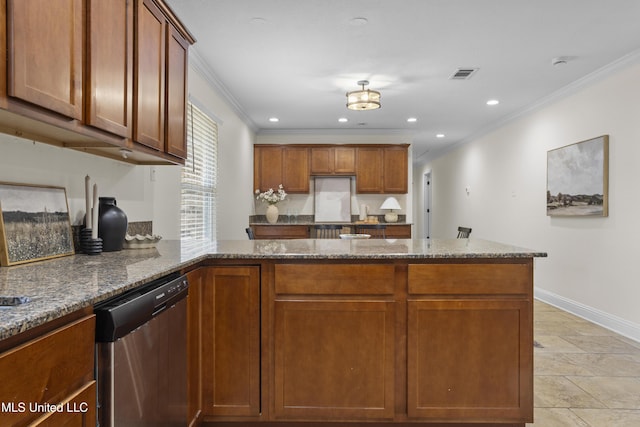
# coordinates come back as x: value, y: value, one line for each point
x: 204, y: 69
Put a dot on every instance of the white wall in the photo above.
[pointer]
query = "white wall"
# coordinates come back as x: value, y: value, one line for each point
x: 24, y: 161
x: 590, y: 268
x: 302, y: 204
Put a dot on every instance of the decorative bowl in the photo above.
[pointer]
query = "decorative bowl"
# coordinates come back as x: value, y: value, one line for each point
x: 141, y: 242
x: 355, y: 236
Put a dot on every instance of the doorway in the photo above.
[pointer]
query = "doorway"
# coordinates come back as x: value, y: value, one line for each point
x: 427, y: 205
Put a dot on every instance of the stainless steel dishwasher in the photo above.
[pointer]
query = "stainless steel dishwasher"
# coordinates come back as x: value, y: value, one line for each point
x: 141, y: 356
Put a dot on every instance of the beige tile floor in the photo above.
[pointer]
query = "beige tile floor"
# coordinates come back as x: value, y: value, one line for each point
x: 584, y: 375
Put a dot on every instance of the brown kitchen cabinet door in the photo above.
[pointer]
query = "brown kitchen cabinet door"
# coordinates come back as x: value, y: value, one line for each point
x: 177, y: 65
x: 295, y: 169
x: 321, y: 159
x: 231, y: 341
x: 45, y: 47
x: 149, y: 72
x: 334, y: 360
x: 110, y: 66
x: 267, y: 167
x: 369, y: 170
x: 470, y: 360
x: 344, y: 160
x: 333, y: 160
x: 78, y: 411
x: 395, y: 170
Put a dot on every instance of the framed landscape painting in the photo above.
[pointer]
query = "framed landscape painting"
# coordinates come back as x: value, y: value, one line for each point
x: 578, y: 179
x: 34, y: 223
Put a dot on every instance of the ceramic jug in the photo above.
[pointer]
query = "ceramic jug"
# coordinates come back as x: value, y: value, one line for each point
x: 112, y: 224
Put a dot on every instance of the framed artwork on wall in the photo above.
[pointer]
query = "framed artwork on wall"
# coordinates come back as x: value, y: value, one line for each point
x: 578, y: 179
x: 34, y: 223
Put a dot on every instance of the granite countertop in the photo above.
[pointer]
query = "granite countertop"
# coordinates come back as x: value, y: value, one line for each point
x: 63, y: 285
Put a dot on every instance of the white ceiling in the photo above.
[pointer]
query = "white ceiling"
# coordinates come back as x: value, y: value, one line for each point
x: 296, y: 59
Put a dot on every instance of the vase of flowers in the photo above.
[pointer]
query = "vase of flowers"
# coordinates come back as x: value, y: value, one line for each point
x: 272, y: 198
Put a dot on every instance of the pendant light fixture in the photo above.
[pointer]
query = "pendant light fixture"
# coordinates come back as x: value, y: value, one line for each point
x: 364, y: 99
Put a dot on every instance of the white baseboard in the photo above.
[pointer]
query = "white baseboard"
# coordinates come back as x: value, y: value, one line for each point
x: 616, y: 324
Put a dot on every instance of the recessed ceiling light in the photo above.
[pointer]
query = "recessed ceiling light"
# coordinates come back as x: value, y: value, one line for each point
x: 493, y: 102
x: 412, y: 120
x: 440, y: 135
x: 274, y: 119
x: 359, y: 21
x: 343, y: 120
x: 257, y: 21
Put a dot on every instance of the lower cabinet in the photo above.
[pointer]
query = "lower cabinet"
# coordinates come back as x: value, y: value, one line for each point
x: 470, y: 342
x: 78, y: 410
x: 231, y: 341
x: 465, y: 361
x: 334, y: 359
x: 334, y: 345
x: 55, y: 369
x: 381, y: 342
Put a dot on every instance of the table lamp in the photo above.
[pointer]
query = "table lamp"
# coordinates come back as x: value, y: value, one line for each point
x: 390, y: 203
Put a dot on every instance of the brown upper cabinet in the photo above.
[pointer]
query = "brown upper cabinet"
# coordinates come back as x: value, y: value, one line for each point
x: 110, y: 66
x: 97, y: 76
x: 281, y: 164
x: 161, y: 74
x: 45, y: 54
x: 382, y: 169
x: 378, y: 169
x: 333, y: 160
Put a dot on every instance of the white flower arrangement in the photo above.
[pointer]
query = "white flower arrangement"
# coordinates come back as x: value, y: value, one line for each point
x: 272, y: 197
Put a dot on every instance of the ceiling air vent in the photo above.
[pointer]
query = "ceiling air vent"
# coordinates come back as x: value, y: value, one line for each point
x: 463, y: 74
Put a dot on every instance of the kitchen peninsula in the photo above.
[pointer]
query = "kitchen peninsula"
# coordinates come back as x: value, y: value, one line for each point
x: 412, y: 332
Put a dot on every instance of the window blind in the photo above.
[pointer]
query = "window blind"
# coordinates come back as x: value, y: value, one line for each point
x: 199, y: 177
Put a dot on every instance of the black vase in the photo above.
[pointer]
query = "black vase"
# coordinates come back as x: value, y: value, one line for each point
x: 112, y: 224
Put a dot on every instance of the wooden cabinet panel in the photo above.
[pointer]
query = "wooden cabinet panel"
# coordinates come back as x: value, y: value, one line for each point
x: 231, y: 341
x: 280, y: 231
x: 278, y: 164
x: 471, y: 279
x: 398, y: 231
x: 321, y: 160
x: 395, y: 170
x: 345, y: 160
x: 470, y: 360
x: 267, y: 167
x: 45, y: 40
x: 79, y: 410
x: 48, y: 369
x: 109, y: 93
x: 149, y: 102
x: 194, y: 345
x: 334, y: 360
x: 335, y: 279
x: 369, y: 169
x: 295, y: 169
x: 333, y: 160
x: 177, y: 66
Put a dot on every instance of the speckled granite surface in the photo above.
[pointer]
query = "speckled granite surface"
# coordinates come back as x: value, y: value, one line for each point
x: 60, y: 286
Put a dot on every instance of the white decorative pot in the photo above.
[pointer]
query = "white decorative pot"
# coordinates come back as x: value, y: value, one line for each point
x: 272, y: 214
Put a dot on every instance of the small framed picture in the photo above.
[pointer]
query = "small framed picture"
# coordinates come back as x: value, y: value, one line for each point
x: 34, y: 223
